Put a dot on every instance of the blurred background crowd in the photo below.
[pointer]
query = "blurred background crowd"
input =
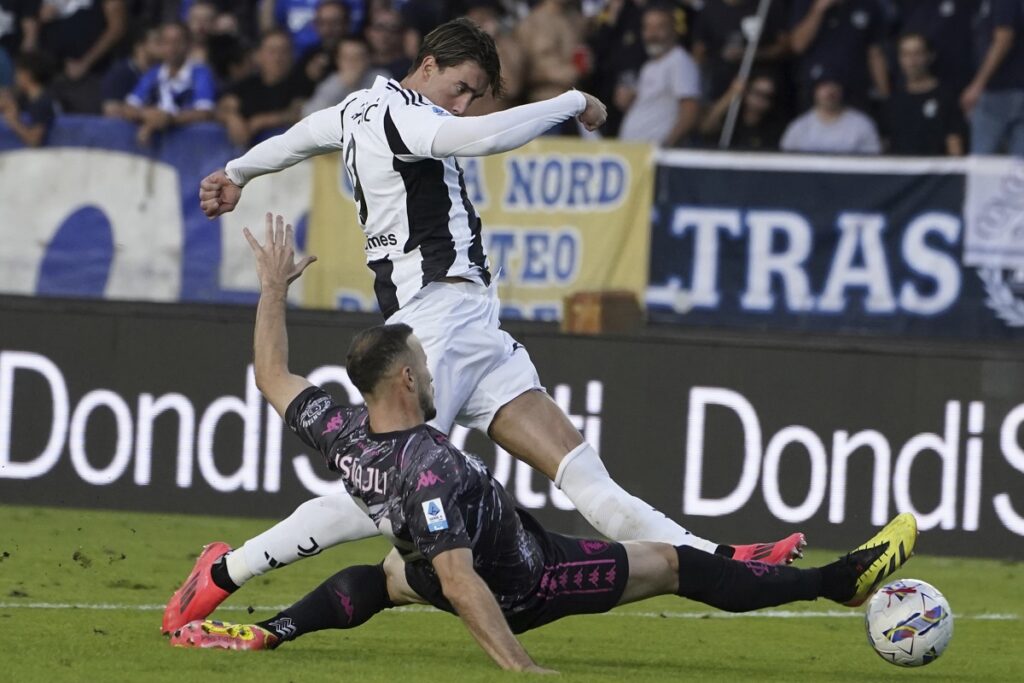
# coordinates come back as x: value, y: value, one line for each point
x: 909, y: 77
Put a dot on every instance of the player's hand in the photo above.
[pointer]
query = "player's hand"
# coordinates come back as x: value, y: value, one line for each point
x: 275, y: 258
x: 594, y: 116
x: 217, y: 194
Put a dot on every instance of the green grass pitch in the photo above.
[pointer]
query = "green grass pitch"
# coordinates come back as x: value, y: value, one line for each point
x: 81, y: 596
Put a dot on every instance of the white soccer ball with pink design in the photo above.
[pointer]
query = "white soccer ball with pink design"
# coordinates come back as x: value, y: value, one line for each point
x: 909, y: 623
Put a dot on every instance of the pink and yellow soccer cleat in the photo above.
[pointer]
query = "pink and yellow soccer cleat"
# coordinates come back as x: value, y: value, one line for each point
x: 199, y: 595
x: 780, y: 552
x: 222, y: 635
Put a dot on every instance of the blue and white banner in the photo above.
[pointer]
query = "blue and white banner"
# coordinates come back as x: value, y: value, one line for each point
x: 95, y: 215
x: 994, y: 214
x: 825, y: 244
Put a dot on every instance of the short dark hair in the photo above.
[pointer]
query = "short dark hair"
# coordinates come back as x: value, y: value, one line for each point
x: 140, y: 34
x: 373, y: 352
x: 274, y: 32
x: 458, y: 41
x: 38, y: 65
x: 673, y: 13
x: 212, y: 3
x: 181, y: 25
x: 917, y: 36
x: 354, y: 39
x: 333, y: 3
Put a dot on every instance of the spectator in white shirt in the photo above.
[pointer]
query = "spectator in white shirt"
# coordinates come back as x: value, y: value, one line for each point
x: 830, y: 126
x: 663, y: 107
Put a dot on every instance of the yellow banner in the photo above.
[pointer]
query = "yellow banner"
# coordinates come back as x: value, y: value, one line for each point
x: 560, y: 216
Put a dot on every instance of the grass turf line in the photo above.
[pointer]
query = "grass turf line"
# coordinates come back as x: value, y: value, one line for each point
x: 91, y: 557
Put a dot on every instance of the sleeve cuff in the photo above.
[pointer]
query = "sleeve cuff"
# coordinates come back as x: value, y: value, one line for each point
x: 581, y: 101
x: 233, y: 175
x: 291, y: 413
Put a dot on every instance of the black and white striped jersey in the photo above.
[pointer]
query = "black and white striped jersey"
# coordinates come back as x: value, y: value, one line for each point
x: 400, y: 150
x: 413, y: 208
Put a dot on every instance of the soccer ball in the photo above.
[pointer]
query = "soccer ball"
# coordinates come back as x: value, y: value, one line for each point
x: 909, y: 623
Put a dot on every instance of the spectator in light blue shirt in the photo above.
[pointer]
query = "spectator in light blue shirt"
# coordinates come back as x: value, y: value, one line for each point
x: 175, y: 92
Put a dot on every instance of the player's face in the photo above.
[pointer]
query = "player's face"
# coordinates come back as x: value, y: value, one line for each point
x: 424, y: 381
x: 453, y: 88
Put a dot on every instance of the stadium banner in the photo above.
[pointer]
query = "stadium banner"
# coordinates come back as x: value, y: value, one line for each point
x: 154, y: 407
x: 560, y: 216
x: 995, y: 213
x: 908, y: 247
x: 93, y: 214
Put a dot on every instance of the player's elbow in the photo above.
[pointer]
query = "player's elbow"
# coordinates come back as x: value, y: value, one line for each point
x: 268, y: 378
x: 459, y: 589
x: 455, y: 590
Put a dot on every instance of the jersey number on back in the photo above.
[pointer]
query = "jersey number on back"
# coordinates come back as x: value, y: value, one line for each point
x: 357, y: 187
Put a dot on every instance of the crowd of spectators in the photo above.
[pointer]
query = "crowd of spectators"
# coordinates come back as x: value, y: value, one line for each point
x: 910, y: 77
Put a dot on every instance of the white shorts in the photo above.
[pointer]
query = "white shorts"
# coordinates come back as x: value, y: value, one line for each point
x: 477, y: 366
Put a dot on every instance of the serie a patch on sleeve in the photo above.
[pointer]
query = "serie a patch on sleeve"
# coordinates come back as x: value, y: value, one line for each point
x: 434, y: 512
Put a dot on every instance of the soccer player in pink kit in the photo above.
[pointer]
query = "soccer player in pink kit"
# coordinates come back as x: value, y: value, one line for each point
x: 399, y: 142
x: 459, y: 541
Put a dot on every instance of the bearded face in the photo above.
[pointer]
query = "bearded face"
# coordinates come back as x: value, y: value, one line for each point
x: 426, y: 396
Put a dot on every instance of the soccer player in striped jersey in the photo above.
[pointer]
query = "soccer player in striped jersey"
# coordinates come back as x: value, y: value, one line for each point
x: 400, y: 142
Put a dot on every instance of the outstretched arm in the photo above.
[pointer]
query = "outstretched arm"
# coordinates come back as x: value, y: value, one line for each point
x: 276, y: 269
x: 474, y: 136
x: 479, y: 611
x: 318, y: 133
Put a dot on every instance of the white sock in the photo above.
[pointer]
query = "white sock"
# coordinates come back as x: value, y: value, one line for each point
x: 238, y: 568
x: 315, y: 525
x: 611, y: 510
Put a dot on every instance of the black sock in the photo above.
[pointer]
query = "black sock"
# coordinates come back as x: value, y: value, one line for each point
x: 220, y: 576
x: 346, y: 600
x: 736, y: 586
x: 838, y: 580
x: 726, y: 551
